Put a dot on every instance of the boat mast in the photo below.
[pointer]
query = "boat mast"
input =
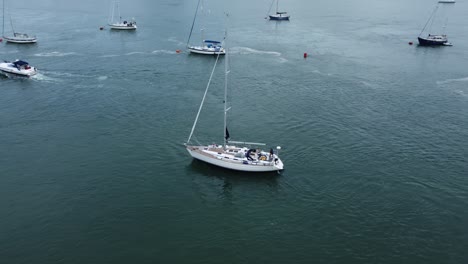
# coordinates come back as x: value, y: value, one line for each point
x: 226, y: 72
x: 3, y: 17
x: 277, y: 6
x: 430, y: 19
x: 193, y: 23
x: 118, y: 9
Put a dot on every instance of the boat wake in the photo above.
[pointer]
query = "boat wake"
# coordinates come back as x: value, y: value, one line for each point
x: 55, y: 54
x: 134, y: 52
x: 45, y: 78
x: 163, y: 52
x: 247, y: 51
x: 453, y: 80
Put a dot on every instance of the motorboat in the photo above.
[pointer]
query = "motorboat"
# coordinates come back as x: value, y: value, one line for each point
x: 18, y: 68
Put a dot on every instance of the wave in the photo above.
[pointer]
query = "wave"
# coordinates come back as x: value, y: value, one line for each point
x: 174, y: 40
x: 109, y: 56
x: 55, y: 54
x: 102, y: 78
x: 453, y: 80
x: 246, y: 50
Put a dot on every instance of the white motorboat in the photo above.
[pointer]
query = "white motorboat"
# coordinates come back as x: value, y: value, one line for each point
x: 228, y: 155
x: 18, y: 68
x: 120, y: 25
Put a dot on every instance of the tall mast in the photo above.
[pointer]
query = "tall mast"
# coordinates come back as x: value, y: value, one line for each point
x: 3, y: 17
x: 226, y: 72
x: 277, y: 6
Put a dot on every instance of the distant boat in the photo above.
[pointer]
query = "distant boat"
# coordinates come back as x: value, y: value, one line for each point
x: 447, y: 1
x: 120, y: 25
x: 18, y: 68
x: 20, y: 38
x: 207, y: 47
x: 229, y: 156
x: 278, y: 15
x: 433, y: 39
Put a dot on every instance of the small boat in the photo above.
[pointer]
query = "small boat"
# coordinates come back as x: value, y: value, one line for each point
x: 18, y: 68
x: 207, y: 47
x: 447, y: 1
x: 120, y: 25
x: 278, y: 15
x: 20, y: 38
x: 233, y: 155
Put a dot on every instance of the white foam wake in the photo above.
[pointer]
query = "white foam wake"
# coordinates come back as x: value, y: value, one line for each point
x: 163, y: 52
x: 246, y: 50
x: 453, y: 80
x: 55, y: 54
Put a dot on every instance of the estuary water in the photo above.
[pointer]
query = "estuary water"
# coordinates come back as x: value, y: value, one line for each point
x: 373, y: 134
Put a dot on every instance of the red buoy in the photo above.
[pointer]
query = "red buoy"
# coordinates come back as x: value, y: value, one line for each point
x: 1, y: 39
x: 178, y: 51
x: 411, y: 42
x: 305, y: 55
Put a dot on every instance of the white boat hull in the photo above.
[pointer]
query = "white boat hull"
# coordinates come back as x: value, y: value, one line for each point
x: 207, y: 51
x: 122, y: 26
x: 229, y: 162
x: 8, y: 68
x: 20, y: 40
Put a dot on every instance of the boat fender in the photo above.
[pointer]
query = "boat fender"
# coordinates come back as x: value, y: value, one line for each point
x: 276, y: 161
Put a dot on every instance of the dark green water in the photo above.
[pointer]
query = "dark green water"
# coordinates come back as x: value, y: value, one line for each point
x: 374, y: 136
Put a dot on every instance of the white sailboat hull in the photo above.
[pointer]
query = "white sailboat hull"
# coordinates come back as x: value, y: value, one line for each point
x: 227, y: 161
x: 207, y: 51
x: 20, y: 40
x: 122, y: 26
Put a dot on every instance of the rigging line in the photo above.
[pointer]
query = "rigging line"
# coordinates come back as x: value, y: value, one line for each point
x: 203, y: 100
x: 12, y: 28
x: 430, y: 19
x: 193, y: 23
x: 272, y: 2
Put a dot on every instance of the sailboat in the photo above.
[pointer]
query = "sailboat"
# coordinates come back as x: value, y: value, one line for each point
x: 278, y: 15
x: 433, y: 39
x: 121, y: 25
x: 230, y: 156
x: 21, y: 38
x: 207, y: 47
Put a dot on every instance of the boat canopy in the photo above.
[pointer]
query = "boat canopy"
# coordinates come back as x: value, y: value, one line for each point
x: 212, y: 41
x: 20, y: 63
